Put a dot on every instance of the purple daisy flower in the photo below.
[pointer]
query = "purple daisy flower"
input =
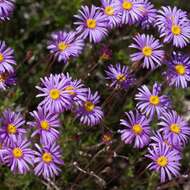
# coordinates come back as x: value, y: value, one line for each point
x: 7, y: 79
x: 6, y: 58
x: 56, y: 99
x: 158, y: 138
x: 137, y: 129
x: 6, y: 9
x: 12, y: 127
x: 89, y: 113
x: 92, y: 23
x: 149, y: 51
x: 149, y: 14
x: 164, y: 161
x: 174, y: 128
x: 151, y: 102
x: 47, y: 124
x: 178, y: 72
x: 174, y: 26
x: 19, y: 157
x: 120, y: 76
x: 112, y: 11
x: 75, y: 89
x: 131, y: 11
x: 48, y: 160
x: 65, y: 45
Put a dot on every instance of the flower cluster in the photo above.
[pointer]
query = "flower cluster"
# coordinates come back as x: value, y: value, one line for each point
x: 165, y: 145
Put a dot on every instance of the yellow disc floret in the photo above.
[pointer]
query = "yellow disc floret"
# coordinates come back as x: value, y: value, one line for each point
x: 17, y: 152
x: 162, y: 161
x: 11, y: 129
x: 121, y: 77
x: 137, y: 129
x: 175, y: 128
x: 154, y: 100
x: 176, y: 30
x: 109, y: 10
x: 62, y: 46
x: 147, y: 51
x: 91, y: 23
x: 44, y: 125
x: 127, y: 5
x: 180, y: 69
x: 47, y: 157
x: 89, y: 106
x: 54, y: 94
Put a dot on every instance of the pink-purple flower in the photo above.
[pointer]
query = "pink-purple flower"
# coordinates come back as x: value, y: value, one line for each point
x: 12, y: 127
x: 65, y: 45
x: 91, y: 23
x: 178, y: 70
x: 48, y: 161
x: 7, y: 59
x: 19, y: 156
x: 46, y: 124
x: 56, y: 98
x: 137, y: 129
x: 112, y: 11
x: 174, y: 128
x: 164, y: 160
x: 149, y: 51
x: 6, y: 9
x: 89, y: 112
x: 153, y: 102
x: 120, y: 76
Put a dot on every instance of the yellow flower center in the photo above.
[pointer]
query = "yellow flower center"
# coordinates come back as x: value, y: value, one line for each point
x: 54, y: 94
x: 44, y: 125
x: 62, y: 46
x: 121, y: 77
x: 1, y: 57
x: 91, y: 23
x: 11, y: 129
x: 162, y: 161
x: 109, y: 10
x: 175, y: 128
x: 176, y: 30
x: 180, y: 69
x: 47, y: 157
x: 89, y: 106
x: 17, y: 153
x: 70, y: 89
x: 137, y: 129
x: 147, y: 51
x: 127, y: 5
x: 154, y: 100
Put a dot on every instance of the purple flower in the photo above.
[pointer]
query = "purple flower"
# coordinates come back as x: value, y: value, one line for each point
x: 19, y: 157
x: 12, y: 127
x: 174, y: 128
x: 131, y: 11
x: 174, y: 26
x: 149, y: 14
x: 112, y: 11
x: 178, y: 72
x: 137, y: 129
x: 7, y: 59
x: 7, y: 79
x: 47, y: 124
x: 164, y: 161
x: 75, y: 89
x: 151, y: 102
x: 120, y: 76
x: 89, y: 113
x: 56, y: 99
x: 158, y: 138
x: 149, y: 51
x: 92, y: 23
x: 6, y: 9
x: 48, y: 160
x: 64, y: 45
